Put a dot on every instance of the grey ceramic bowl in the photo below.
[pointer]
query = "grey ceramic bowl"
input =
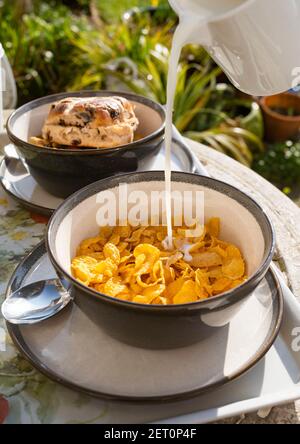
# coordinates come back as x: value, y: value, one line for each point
x: 63, y: 171
x: 154, y: 326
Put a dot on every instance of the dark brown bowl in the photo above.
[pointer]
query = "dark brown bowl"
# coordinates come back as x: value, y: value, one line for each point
x: 154, y: 326
x: 63, y: 171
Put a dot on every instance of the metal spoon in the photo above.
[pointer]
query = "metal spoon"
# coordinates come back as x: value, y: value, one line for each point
x: 35, y: 302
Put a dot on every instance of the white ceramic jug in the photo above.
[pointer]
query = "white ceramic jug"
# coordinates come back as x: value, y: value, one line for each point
x: 256, y: 42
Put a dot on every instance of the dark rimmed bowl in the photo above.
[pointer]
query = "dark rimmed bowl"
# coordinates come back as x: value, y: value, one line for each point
x: 154, y: 326
x: 61, y: 172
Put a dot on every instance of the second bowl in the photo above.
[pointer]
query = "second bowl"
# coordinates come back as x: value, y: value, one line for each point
x: 62, y: 171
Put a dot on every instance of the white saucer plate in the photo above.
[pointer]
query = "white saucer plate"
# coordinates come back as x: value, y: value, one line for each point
x: 73, y: 351
x: 21, y: 186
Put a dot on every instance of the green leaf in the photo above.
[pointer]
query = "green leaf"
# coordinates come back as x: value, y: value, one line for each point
x: 254, y: 121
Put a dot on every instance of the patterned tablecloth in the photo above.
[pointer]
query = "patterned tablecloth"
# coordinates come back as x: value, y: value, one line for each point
x: 26, y: 396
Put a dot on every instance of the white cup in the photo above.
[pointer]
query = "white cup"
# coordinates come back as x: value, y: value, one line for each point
x: 256, y: 42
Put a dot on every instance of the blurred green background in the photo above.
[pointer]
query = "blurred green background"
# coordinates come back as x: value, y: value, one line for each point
x: 70, y: 45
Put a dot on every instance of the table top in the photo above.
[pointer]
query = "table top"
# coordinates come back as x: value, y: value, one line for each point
x: 26, y: 396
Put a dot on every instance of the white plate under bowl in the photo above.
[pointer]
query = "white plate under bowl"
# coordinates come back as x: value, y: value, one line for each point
x: 70, y: 349
x: 21, y: 186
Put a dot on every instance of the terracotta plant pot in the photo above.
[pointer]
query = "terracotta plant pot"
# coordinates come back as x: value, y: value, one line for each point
x: 280, y: 127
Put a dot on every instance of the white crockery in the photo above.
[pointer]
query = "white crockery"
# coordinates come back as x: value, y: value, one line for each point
x: 256, y: 42
x: 243, y: 223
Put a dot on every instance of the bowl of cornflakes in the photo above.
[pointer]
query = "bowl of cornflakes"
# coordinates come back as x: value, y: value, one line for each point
x: 122, y: 131
x: 139, y: 288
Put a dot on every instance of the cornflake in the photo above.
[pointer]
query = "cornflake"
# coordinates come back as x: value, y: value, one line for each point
x: 122, y: 263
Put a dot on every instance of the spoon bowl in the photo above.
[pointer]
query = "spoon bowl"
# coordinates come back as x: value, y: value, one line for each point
x: 35, y: 302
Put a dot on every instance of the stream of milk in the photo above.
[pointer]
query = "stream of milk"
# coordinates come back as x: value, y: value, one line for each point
x: 193, y: 14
